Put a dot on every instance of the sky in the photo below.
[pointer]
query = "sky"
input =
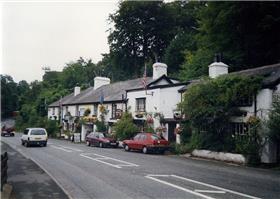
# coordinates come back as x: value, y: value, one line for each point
x: 51, y: 34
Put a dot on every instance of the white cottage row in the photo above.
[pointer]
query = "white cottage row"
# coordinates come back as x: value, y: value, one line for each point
x: 160, y: 98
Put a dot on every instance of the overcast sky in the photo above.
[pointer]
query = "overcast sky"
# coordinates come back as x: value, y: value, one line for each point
x: 35, y: 35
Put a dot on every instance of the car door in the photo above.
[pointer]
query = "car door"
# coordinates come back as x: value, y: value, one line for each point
x: 134, y: 143
x: 142, y: 141
x: 139, y: 142
x: 95, y: 139
x: 25, y: 134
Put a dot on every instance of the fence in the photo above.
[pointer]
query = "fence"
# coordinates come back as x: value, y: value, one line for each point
x: 4, y: 169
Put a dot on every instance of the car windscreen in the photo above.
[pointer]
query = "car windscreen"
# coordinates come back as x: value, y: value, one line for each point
x: 102, y: 135
x: 38, y: 132
x: 155, y: 137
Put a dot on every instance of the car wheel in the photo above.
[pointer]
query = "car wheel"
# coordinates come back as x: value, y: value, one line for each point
x: 45, y: 145
x: 26, y: 144
x: 145, y: 150
x: 126, y: 148
x: 13, y: 135
x: 116, y: 146
x: 88, y: 143
x: 100, y: 144
x: 22, y: 143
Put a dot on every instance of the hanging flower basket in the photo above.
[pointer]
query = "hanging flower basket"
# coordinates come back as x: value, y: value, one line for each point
x: 178, y: 130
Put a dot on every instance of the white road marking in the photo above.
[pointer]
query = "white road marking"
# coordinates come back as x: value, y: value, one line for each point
x: 73, y: 149
x: 60, y: 148
x: 178, y: 187
x: 216, y: 187
x: 208, y: 191
x: 220, y: 189
x: 101, y: 158
x: 98, y: 160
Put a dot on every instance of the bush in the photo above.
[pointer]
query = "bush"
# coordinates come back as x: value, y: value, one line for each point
x: 179, y: 148
x: 52, y: 127
x: 125, y: 128
x: 274, y: 120
x: 100, y: 126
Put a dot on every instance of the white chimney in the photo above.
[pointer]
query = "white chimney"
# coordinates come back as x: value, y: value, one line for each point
x: 100, y: 81
x: 159, y: 69
x: 77, y: 90
x: 217, y: 68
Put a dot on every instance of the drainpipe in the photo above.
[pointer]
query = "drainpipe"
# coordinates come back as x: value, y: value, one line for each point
x: 255, y: 104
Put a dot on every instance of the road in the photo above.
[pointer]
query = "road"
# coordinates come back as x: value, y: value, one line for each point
x: 90, y: 172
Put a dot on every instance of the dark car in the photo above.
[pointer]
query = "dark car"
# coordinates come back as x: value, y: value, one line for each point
x: 101, y: 140
x: 7, y: 131
x: 146, y: 142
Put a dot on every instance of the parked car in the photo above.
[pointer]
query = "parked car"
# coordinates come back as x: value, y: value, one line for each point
x: 34, y: 136
x: 7, y: 131
x: 101, y: 140
x: 146, y: 142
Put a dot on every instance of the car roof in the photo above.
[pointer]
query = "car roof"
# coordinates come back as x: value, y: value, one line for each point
x: 35, y: 128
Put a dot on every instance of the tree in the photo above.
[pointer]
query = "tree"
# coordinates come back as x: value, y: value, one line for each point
x: 210, y: 104
x: 143, y: 30
x: 125, y: 128
x: 9, y: 96
x: 274, y: 120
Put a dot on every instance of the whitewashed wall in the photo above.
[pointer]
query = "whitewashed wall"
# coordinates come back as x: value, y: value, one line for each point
x: 51, y: 114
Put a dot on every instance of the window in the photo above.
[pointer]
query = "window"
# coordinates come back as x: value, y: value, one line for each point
x: 66, y: 109
x: 95, y: 109
x: 38, y: 132
x: 245, y: 101
x: 143, y: 137
x: 114, y: 110
x: 82, y: 111
x: 137, y: 137
x: 25, y: 132
x: 239, y: 128
x: 53, y: 110
x: 77, y: 111
x: 140, y: 104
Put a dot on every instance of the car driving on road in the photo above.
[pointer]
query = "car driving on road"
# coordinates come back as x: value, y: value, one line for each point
x: 146, y: 142
x: 34, y: 136
x: 101, y: 140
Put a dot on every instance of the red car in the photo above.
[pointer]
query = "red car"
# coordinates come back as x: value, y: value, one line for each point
x: 7, y: 131
x: 146, y: 142
x: 101, y: 140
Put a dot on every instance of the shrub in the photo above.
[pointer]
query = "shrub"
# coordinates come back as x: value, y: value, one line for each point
x: 101, y: 126
x: 125, y: 128
x: 52, y: 127
x: 179, y: 148
x: 274, y: 120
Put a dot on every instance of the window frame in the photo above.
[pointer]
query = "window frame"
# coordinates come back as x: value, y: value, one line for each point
x: 138, y: 108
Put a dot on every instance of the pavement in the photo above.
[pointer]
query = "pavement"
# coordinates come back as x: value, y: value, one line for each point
x: 27, y: 180
x: 91, y: 172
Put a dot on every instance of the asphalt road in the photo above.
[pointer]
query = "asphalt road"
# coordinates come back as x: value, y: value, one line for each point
x: 90, y: 172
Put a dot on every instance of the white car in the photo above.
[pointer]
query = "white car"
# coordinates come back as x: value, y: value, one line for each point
x: 34, y: 136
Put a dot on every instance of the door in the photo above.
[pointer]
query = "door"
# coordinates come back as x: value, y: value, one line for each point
x: 25, y: 134
x: 171, y: 134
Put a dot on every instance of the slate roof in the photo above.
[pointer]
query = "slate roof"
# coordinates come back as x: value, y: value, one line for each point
x: 111, y: 92
x: 271, y: 74
x: 66, y: 98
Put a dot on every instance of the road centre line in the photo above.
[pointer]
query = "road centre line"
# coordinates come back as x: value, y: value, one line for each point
x: 73, y: 149
x: 178, y: 187
x: 216, y: 187
x: 98, y: 160
x: 60, y: 148
x: 208, y: 191
x: 101, y: 157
